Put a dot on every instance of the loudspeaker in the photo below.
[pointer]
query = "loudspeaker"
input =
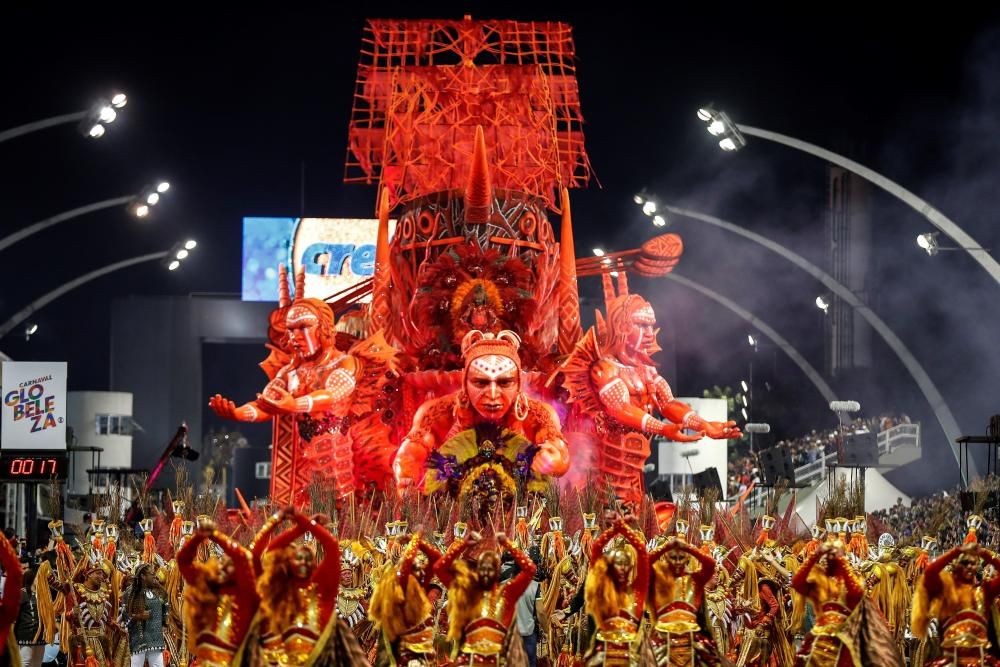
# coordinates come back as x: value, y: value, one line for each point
x: 860, y: 449
x: 707, y: 479
x: 776, y: 465
x: 660, y: 490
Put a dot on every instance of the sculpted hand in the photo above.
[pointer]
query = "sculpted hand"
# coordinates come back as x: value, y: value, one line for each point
x: 277, y: 401
x: 676, y: 433
x: 552, y: 458
x: 722, y: 430
x: 226, y: 409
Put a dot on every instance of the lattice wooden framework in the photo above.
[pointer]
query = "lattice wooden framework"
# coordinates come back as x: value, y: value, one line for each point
x: 423, y: 86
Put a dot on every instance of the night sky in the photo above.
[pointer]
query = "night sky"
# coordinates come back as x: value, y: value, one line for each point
x: 228, y: 104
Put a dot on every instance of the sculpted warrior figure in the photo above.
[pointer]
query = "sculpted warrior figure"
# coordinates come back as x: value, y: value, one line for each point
x: 318, y: 386
x: 613, y: 383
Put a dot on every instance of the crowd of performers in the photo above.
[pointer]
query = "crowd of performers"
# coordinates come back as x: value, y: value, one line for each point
x: 618, y: 590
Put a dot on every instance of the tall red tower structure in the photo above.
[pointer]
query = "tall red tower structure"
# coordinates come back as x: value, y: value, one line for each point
x: 472, y: 131
x: 424, y: 86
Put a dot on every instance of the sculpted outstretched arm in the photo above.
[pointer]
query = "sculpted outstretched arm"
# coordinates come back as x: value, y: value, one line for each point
x: 411, y: 459
x: 614, y: 396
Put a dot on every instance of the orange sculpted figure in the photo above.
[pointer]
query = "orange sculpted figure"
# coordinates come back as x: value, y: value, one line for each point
x: 613, y: 381
x: 492, y: 397
x: 316, y: 386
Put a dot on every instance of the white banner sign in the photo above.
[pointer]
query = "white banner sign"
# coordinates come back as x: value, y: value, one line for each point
x: 689, y: 458
x: 34, y: 405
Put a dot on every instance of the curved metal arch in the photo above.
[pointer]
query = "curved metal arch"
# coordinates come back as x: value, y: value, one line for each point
x: 934, y: 216
x: 941, y: 410
x: 762, y: 326
x: 70, y: 285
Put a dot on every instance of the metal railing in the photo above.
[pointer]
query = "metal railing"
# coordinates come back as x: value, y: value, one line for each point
x: 809, y: 474
x: 902, y: 435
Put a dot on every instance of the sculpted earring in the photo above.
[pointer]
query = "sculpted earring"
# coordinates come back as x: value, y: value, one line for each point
x: 521, y: 407
x: 461, y: 401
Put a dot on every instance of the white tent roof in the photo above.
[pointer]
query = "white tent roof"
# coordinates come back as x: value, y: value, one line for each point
x: 879, y: 495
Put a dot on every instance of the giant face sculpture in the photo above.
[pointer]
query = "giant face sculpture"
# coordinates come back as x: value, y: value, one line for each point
x: 303, y: 331
x: 631, y: 329
x: 641, y: 334
x: 492, y: 383
x: 492, y: 373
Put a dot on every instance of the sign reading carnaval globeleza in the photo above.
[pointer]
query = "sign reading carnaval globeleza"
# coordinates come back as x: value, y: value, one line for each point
x: 34, y: 405
x: 336, y: 253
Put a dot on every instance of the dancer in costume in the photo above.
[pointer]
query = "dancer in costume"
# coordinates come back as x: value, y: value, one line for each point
x: 849, y: 629
x: 888, y: 588
x: 828, y: 582
x: 615, y: 594
x: 960, y: 606
x: 401, y: 608
x: 480, y: 607
x: 763, y: 640
x: 678, y: 639
x: 10, y: 604
x: 28, y: 626
x: 299, y: 600
x: 220, y: 598
x: 718, y: 613
x: 97, y: 639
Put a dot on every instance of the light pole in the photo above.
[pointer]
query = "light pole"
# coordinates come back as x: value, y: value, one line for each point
x: 734, y: 138
x: 139, y: 206
x: 173, y: 257
x: 92, y: 121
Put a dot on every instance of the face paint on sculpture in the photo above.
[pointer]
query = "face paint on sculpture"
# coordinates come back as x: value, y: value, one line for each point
x: 303, y: 330
x: 642, y: 330
x: 492, y: 383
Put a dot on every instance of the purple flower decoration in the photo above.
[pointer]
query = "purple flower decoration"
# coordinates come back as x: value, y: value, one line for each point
x: 447, y: 466
x: 522, y: 464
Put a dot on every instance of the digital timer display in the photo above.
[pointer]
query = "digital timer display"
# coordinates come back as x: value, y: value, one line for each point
x: 32, y: 466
